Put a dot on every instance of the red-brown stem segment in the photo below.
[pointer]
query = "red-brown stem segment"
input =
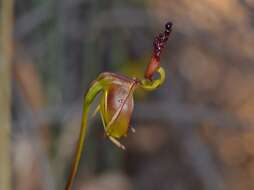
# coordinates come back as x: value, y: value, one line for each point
x: 152, y: 67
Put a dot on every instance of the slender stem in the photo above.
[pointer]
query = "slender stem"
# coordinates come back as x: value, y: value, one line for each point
x: 95, y: 88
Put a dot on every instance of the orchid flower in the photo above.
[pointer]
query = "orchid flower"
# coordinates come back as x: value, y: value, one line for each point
x: 116, y: 102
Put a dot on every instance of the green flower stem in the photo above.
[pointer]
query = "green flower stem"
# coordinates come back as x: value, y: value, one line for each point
x: 95, y: 88
x: 152, y: 85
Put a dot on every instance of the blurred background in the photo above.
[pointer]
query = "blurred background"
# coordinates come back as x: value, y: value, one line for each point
x: 193, y: 133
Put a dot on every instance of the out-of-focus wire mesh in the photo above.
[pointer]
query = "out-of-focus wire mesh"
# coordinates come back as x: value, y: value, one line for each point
x: 193, y: 133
